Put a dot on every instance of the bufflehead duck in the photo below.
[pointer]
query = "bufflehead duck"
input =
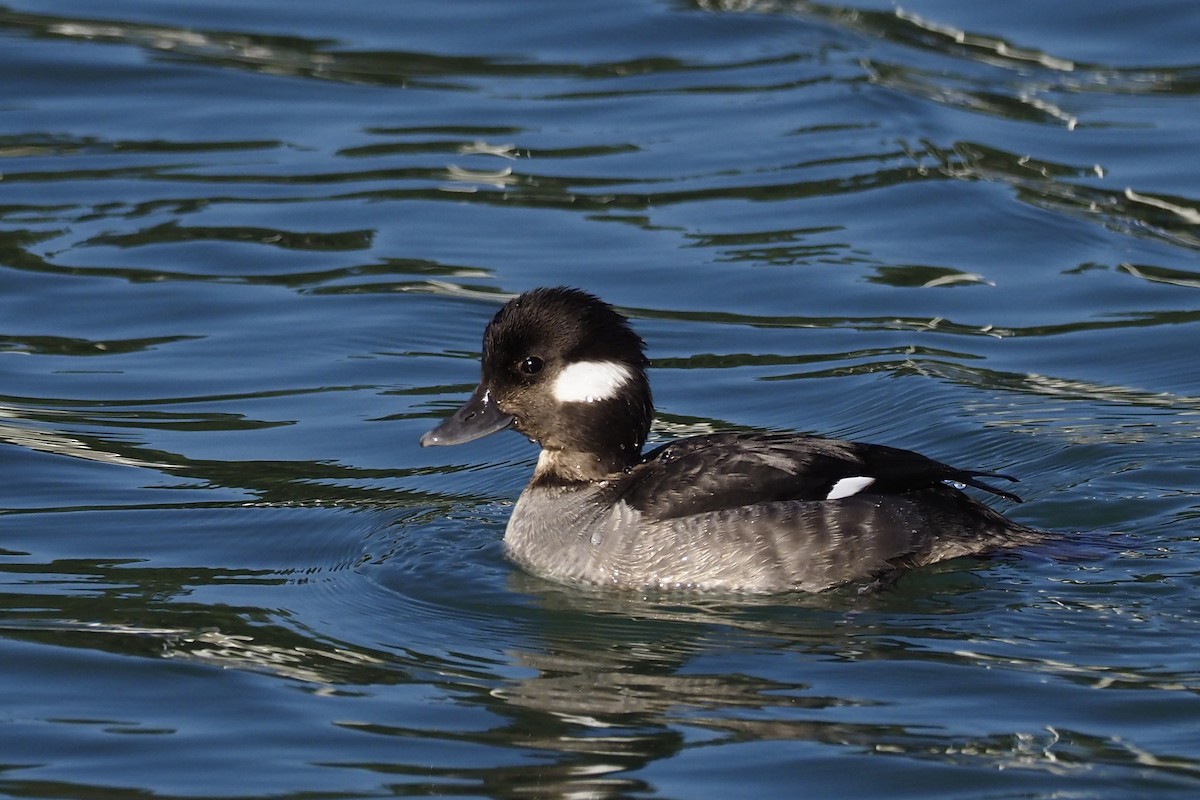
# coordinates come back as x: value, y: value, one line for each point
x: 735, y: 512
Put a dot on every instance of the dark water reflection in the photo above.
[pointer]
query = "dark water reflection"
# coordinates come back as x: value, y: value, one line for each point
x: 246, y: 252
x: 594, y: 689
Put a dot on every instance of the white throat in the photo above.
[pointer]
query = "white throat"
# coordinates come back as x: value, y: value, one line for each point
x: 590, y: 381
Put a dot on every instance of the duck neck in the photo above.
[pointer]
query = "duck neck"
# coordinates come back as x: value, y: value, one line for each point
x: 572, y: 467
x: 594, y: 441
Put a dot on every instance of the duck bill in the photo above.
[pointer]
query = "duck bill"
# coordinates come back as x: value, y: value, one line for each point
x: 477, y: 418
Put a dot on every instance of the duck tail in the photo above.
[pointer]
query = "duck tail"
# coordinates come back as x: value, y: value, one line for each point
x: 971, y: 478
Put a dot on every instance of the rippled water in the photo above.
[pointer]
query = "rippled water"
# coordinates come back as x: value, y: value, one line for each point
x: 247, y: 250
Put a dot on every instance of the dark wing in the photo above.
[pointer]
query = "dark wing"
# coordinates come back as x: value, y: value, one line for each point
x: 709, y: 473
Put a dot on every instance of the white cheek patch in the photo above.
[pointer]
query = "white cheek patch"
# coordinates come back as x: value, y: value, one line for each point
x: 848, y: 486
x: 590, y: 381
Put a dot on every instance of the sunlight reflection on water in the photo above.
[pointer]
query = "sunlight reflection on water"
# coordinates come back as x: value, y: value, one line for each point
x: 246, y: 255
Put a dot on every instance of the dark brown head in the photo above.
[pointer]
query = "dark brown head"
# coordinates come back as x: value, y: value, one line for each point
x: 566, y: 370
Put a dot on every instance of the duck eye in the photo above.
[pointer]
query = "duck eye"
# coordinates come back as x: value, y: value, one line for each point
x: 532, y: 365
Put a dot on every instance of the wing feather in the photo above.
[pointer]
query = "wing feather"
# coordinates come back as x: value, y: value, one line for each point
x: 710, y: 473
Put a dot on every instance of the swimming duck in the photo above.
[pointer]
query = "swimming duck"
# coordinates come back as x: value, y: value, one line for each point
x: 729, y: 512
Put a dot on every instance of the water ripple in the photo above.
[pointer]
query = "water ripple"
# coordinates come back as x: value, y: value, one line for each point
x: 246, y: 255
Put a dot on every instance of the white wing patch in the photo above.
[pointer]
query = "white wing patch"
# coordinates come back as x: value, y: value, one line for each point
x: 848, y: 486
x: 590, y: 381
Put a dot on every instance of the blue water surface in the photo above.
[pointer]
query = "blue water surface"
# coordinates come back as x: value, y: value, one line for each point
x: 247, y: 250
